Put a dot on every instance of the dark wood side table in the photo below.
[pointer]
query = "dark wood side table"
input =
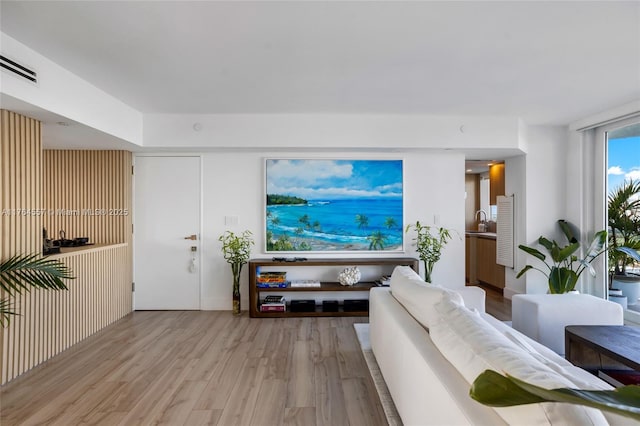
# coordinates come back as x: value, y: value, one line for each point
x: 598, y: 347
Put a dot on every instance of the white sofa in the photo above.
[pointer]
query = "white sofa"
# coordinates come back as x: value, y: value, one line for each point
x: 430, y: 347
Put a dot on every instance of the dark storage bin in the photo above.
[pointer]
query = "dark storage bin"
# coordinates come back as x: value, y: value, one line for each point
x: 303, y: 305
x: 357, y: 305
x: 330, y: 306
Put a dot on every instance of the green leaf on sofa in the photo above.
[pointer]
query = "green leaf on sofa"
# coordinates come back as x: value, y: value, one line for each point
x: 495, y: 390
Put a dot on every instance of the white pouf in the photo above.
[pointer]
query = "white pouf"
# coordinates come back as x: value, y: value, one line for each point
x: 543, y: 317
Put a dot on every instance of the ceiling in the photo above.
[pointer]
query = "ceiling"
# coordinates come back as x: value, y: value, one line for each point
x: 475, y: 167
x: 546, y: 62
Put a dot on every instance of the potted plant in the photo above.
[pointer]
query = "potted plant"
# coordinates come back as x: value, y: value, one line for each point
x: 23, y: 272
x: 428, y: 245
x: 236, y: 249
x: 624, y: 238
x: 565, y: 268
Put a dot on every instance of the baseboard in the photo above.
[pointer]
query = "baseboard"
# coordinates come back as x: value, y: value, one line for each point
x: 219, y: 304
x: 509, y: 293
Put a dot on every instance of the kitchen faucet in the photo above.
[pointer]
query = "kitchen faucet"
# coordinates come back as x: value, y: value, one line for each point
x: 482, y: 227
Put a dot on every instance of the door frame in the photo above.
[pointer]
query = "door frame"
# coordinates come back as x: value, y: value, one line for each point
x: 200, y: 208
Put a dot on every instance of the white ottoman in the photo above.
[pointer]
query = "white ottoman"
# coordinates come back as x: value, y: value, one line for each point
x: 543, y: 317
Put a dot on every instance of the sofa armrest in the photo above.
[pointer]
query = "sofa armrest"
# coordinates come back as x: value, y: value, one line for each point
x: 474, y: 298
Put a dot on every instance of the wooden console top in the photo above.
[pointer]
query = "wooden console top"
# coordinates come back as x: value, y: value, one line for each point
x: 620, y: 343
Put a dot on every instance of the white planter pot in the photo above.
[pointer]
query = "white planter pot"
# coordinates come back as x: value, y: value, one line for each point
x: 630, y: 287
x: 620, y: 300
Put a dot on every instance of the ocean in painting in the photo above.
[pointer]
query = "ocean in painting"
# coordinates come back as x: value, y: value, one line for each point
x: 332, y: 225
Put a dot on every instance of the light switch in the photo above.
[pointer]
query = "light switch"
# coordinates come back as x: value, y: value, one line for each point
x: 231, y: 220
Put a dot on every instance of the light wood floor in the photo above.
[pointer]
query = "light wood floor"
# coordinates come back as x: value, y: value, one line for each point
x: 198, y: 368
x: 497, y: 305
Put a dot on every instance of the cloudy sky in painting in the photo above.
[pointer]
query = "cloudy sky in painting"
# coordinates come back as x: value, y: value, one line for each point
x: 334, y: 179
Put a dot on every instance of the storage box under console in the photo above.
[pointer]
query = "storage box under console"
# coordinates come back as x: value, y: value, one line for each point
x: 356, y: 305
x: 305, y: 305
x: 330, y: 306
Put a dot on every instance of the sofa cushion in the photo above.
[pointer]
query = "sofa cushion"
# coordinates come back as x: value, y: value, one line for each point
x: 418, y: 297
x: 472, y: 346
x: 582, y: 379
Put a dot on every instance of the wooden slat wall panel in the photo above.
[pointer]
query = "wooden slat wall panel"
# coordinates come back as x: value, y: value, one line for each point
x: 100, y: 295
x: 21, y: 226
x: 87, y: 194
x: 53, y: 321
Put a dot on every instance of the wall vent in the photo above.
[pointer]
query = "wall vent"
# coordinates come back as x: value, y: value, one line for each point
x: 18, y: 70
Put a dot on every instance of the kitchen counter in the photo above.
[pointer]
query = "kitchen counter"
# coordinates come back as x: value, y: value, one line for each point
x: 70, y: 251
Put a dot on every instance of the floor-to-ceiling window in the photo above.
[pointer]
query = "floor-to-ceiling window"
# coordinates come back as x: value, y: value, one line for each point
x: 623, y: 211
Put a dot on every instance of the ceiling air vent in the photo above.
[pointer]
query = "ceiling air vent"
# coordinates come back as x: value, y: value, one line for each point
x: 18, y: 70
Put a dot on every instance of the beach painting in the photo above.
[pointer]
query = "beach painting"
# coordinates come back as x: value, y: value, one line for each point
x: 325, y: 205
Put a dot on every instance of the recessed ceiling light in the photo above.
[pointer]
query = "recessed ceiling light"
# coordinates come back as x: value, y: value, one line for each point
x: 469, y: 170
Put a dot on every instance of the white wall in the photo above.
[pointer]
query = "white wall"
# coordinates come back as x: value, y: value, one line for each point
x: 329, y: 131
x: 540, y: 199
x: 234, y: 146
x: 233, y: 185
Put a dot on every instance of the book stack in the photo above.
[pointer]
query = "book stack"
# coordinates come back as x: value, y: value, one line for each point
x: 305, y: 283
x: 273, y: 303
x: 272, y: 280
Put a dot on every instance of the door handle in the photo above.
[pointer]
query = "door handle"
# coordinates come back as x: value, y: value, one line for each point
x: 191, y: 237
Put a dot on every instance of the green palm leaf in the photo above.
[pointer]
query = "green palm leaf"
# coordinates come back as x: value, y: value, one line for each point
x: 533, y: 252
x: 562, y: 280
x: 5, y: 311
x: 629, y: 252
x: 567, y: 231
x: 495, y: 390
x: 525, y: 269
x: 544, y: 242
x: 25, y: 271
x: 595, y: 249
x: 560, y: 254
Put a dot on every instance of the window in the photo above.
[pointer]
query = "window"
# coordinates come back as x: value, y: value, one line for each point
x: 623, y: 211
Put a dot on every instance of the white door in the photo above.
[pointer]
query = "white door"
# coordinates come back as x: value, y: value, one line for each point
x: 166, y: 214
